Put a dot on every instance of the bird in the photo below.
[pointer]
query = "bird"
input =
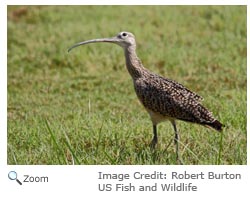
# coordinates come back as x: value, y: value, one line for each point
x: 164, y: 99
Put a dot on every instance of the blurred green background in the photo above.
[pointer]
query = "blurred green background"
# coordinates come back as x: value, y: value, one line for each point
x: 80, y: 107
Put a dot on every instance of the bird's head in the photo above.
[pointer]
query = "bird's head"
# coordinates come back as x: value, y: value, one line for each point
x: 123, y: 39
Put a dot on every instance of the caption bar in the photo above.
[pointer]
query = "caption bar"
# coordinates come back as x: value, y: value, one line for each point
x: 159, y: 181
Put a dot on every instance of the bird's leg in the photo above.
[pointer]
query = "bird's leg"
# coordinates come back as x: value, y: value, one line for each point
x: 155, y: 139
x: 176, y: 140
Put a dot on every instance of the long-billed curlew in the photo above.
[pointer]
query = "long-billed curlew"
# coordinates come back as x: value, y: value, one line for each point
x: 164, y: 99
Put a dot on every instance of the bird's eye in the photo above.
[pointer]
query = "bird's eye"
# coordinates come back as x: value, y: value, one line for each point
x: 124, y: 34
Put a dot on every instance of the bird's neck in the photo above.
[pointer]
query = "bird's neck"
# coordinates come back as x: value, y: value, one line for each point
x: 133, y: 63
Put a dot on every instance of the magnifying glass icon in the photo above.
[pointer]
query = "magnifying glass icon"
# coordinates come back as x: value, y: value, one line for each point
x: 13, y: 176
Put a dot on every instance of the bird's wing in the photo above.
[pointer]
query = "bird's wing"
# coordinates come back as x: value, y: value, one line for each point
x: 177, y: 87
x: 172, y: 99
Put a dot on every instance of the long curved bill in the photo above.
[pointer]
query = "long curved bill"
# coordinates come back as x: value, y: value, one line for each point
x: 112, y: 40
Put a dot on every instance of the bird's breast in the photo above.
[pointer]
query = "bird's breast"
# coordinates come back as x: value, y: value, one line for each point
x: 151, y: 96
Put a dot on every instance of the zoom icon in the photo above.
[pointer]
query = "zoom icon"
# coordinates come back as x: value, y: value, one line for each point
x: 13, y: 176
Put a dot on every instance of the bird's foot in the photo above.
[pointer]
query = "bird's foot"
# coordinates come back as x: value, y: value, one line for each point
x: 178, y: 159
x: 179, y: 162
x: 153, y: 144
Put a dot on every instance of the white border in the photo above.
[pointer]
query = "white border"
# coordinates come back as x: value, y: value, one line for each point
x: 81, y: 180
x: 3, y: 86
x: 127, y: 2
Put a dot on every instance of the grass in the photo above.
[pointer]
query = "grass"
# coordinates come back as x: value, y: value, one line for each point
x: 80, y: 108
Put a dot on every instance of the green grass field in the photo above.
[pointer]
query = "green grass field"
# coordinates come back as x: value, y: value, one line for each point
x: 80, y: 107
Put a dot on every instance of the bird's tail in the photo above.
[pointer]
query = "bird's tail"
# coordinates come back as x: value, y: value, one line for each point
x: 216, y: 125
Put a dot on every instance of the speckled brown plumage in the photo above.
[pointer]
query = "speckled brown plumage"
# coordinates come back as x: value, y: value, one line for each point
x: 171, y: 100
x: 164, y: 99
